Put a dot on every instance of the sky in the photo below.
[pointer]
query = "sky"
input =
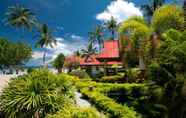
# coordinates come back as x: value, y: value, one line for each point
x: 70, y: 21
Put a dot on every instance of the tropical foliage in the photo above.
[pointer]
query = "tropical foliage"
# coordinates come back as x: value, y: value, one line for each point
x: 59, y: 62
x: 36, y: 94
x: 166, y: 17
x: 96, y: 37
x: 13, y: 54
x: 88, y: 52
x: 20, y: 17
x: 139, y: 33
x: 111, y: 26
x: 45, y: 39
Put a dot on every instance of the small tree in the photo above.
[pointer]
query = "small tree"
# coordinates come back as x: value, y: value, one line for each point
x: 59, y: 62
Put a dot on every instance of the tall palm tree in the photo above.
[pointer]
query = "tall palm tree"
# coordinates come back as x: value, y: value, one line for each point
x: 150, y: 8
x: 97, y: 36
x: 111, y: 25
x: 20, y: 17
x: 45, y: 39
x: 86, y: 53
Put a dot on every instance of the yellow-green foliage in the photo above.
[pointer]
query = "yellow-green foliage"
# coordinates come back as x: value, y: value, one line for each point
x: 112, y: 79
x: 108, y: 105
x: 74, y: 112
x: 40, y: 91
x: 166, y: 17
x: 136, y: 27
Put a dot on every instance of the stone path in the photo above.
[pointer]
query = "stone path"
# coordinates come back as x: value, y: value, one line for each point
x: 82, y: 103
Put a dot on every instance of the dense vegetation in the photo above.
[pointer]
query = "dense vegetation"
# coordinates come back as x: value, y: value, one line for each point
x: 36, y: 94
x: 13, y: 54
x: 152, y: 84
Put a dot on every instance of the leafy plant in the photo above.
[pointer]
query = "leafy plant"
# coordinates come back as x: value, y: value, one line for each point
x: 35, y: 95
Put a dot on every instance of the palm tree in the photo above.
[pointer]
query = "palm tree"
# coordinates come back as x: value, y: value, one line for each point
x: 45, y: 39
x: 96, y: 36
x: 150, y: 8
x: 20, y: 17
x: 86, y: 53
x: 139, y: 33
x: 111, y: 26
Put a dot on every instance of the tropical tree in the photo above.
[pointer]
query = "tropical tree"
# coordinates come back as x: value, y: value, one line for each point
x: 167, y: 17
x: 14, y: 54
x: 20, y: 17
x: 151, y: 7
x: 90, y: 50
x: 139, y: 34
x: 59, y: 62
x: 97, y: 36
x: 45, y: 40
x: 111, y: 25
x: 172, y: 51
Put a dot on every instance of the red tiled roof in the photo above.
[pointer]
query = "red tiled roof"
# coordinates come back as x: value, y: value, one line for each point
x: 93, y: 61
x: 110, y: 50
x: 90, y: 61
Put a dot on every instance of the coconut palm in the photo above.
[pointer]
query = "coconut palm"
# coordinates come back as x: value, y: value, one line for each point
x: 86, y: 53
x: 111, y: 25
x: 20, y: 17
x: 97, y: 36
x: 45, y: 39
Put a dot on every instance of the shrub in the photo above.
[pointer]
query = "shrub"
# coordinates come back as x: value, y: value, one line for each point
x: 113, y: 79
x: 35, y: 94
x: 108, y: 105
x: 80, y: 73
x: 132, y: 74
x: 160, y: 73
x: 73, y: 112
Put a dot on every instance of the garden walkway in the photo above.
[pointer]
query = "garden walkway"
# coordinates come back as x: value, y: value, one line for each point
x: 82, y: 103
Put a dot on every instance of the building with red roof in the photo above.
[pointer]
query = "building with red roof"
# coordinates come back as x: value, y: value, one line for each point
x: 110, y: 55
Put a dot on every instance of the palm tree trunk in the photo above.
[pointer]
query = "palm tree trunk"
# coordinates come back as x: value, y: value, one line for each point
x: 112, y: 34
x: 100, y: 45
x: 44, y: 59
x: 141, y: 63
x: 36, y: 114
x: 59, y: 70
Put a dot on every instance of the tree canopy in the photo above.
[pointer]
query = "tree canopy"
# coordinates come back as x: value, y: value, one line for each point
x: 14, y: 54
x: 59, y: 62
x: 166, y: 17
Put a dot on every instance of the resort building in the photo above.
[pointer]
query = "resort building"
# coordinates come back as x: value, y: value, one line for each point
x: 108, y: 58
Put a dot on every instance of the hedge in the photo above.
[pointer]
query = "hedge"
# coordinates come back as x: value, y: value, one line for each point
x: 109, y: 106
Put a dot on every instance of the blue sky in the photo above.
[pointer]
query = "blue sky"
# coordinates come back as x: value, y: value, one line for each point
x: 69, y: 19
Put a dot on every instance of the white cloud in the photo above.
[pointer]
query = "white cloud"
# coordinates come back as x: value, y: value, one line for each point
x: 120, y: 10
x: 66, y: 46
x: 37, y: 54
x: 73, y: 36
